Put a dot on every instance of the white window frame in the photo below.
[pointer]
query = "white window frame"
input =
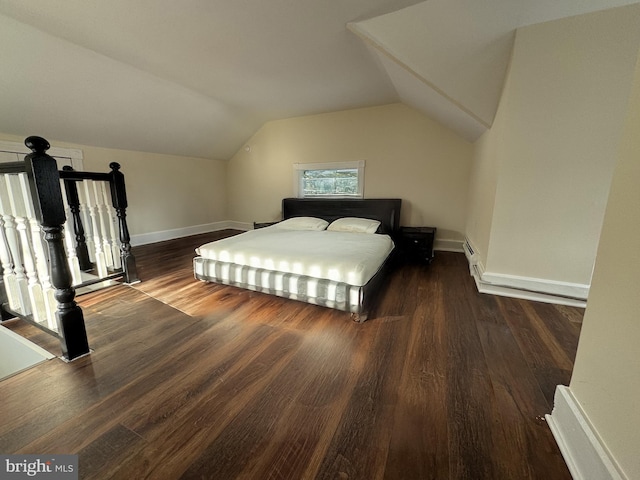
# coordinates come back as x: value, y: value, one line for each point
x: 299, y: 169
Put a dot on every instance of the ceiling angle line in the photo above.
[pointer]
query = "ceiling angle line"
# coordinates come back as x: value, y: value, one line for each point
x: 368, y: 39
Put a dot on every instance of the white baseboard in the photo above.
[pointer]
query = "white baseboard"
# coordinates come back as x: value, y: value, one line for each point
x: 584, y: 453
x: 536, y: 289
x: 527, y: 295
x: 161, y: 236
x: 543, y: 286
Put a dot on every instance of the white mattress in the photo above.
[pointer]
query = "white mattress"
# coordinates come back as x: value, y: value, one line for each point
x: 347, y: 257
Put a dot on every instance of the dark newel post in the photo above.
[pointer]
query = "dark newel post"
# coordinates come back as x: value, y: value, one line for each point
x: 82, y: 251
x: 47, y: 195
x: 119, y: 200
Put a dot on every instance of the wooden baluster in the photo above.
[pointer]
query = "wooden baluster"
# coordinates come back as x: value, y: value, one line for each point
x: 18, y: 278
x: 45, y: 188
x: 111, y: 220
x: 119, y: 201
x: 86, y: 220
x: 34, y: 289
x: 73, y: 200
x: 74, y: 263
x: 101, y: 265
x: 9, y: 279
x: 102, y: 216
x: 44, y: 290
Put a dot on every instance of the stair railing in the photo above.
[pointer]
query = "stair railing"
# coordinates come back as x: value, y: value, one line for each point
x: 37, y: 280
x: 105, y: 248
x: 44, y: 257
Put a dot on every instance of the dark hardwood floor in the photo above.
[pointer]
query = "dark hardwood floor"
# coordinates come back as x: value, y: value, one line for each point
x: 194, y: 380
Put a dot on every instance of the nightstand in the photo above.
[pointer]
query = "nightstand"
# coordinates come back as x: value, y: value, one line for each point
x: 415, y: 244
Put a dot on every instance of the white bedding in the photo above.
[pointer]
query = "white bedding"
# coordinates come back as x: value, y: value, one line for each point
x: 352, y: 258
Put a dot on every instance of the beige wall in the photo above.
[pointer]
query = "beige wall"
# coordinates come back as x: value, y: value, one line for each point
x: 164, y: 192
x: 487, y: 152
x: 606, y: 377
x: 407, y: 155
x: 482, y: 192
x: 554, y: 141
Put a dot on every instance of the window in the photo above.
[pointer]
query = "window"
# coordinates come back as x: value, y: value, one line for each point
x: 341, y: 179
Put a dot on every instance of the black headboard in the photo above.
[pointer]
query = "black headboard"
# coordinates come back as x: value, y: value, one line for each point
x: 385, y: 210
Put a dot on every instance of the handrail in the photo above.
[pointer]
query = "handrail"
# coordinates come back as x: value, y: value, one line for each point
x: 12, y: 167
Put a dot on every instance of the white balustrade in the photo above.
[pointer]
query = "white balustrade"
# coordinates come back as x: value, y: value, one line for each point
x: 47, y: 309
x: 98, y: 218
x: 103, y: 215
x: 22, y: 253
x: 16, y: 280
x: 96, y: 234
x: 9, y: 277
x: 24, y: 258
x: 112, y: 220
x: 69, y: 241
x: 86, y: 220
x: 20, y: 199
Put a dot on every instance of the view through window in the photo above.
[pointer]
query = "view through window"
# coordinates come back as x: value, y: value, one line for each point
x: 330, y: 182
x: 329, y: 179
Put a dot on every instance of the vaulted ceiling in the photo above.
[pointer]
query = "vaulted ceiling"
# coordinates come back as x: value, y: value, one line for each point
x: 199, y: 77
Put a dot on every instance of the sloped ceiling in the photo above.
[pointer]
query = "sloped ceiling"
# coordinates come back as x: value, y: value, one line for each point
x: 448, y: 58
x: 199, y: 77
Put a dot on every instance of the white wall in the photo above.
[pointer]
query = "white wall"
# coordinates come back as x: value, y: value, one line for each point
x: 407, y: 155
x: 552, y: 147
x: 164, y: 192
x: 606, y: 376
x: 482, y: 187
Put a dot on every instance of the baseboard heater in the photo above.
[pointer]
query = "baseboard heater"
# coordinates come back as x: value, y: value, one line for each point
x: 519, y: 287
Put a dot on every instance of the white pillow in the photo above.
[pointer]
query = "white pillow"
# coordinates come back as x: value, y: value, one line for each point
x: 351, y: 224
x: 303, y: 223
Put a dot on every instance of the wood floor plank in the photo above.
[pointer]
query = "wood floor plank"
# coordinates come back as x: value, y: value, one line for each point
x: 115, y: 446
x: 533, y: 336
x: 196, y: 380
x: 419, y: 442
x: 469, y: 392
x: 366, y: 423
x: 564, y: 333
x: 305, y: 428
x: 183, y: 438
x: 549, y: 357
x: 519, y: 431
x: 300, y: 402
x: 81, y: 428
x: 72, y: 388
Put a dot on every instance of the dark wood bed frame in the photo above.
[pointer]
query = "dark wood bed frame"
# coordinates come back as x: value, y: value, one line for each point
x: 385, y: 210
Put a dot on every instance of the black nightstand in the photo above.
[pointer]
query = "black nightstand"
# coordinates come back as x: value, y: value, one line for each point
x: 415, y: 244
x: 263, y: 224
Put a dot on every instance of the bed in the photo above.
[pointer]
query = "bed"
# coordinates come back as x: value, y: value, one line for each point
x: 328, y: 252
